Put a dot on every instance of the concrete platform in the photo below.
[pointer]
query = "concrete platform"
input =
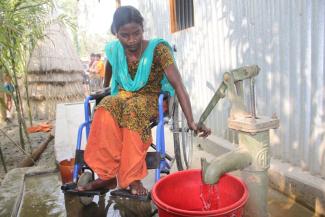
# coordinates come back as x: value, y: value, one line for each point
x: 35, y: 192
x: 13, y: 187
x: 19, y: 183
x: 298, y: 185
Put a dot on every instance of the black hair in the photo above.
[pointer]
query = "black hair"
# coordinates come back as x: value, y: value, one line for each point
x: 124, y: 15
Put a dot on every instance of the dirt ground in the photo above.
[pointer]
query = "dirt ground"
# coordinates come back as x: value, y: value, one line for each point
x: 13, y: 155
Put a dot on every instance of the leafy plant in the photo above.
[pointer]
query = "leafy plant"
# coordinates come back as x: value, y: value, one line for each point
x: 22, y: 23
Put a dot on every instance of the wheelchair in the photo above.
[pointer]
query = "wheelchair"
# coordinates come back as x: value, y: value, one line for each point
x: 169, y: 112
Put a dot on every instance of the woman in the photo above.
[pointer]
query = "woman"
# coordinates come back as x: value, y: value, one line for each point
x: 120, y: 135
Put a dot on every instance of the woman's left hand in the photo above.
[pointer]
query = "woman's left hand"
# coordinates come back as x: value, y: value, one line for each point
x: 200, y: 129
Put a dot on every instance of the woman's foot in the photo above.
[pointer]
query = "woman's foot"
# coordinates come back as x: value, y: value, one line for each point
x: 137, y: 188
x: 98, y: 184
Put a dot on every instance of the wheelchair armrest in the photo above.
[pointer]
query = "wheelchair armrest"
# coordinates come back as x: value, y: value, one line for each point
x: 101, y: 93
x: 166, y: 94
x: 166, y: 97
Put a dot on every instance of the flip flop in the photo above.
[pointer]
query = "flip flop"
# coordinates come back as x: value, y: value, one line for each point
x: 94, y: 185
x: 127, y: 193
x: 87, y: 193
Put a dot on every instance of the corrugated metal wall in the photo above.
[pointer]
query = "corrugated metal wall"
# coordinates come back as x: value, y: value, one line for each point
x: 284, y: 37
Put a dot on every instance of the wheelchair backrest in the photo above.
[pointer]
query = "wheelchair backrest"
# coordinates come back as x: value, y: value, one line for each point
x: 169, y: 102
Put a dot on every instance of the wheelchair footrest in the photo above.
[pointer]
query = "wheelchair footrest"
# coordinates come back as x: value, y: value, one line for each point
x: 86, y: 193
x: 165, y: 171
x: 153, y: 160
x: 123, y: 193
x: 71, y: 188
x: 68, y: 186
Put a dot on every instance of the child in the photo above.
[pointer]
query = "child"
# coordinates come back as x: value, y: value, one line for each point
x: 10, y: 88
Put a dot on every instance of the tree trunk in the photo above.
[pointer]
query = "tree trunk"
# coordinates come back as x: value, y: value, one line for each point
x: 27, y: 162
x: 3, y: 105
x: 3, y: 109
x: 17, y: 101
x: 27, y: 98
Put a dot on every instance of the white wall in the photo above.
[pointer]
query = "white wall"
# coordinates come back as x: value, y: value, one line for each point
x: 284, y: 37
x: 68, y: 119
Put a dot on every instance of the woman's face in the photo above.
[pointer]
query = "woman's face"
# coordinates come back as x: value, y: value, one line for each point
x: 130, y: 35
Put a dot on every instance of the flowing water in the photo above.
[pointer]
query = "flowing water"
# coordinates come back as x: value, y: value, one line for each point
x: 210, y: 197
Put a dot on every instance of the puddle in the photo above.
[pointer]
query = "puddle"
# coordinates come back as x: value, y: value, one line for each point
x: 108, y: 206
x: 42, y: 197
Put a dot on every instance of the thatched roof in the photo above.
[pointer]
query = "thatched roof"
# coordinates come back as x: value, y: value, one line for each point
x: 54, y: 73
x: 54, y: 53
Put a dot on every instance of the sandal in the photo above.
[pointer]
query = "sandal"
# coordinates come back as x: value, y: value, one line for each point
x: 98, y: 184
x: 137, y: 188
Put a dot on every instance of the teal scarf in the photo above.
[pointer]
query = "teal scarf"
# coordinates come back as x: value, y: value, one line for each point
x: 120, y: 73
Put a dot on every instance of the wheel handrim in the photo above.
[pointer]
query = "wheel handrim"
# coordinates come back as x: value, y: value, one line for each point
x: 183, y: 143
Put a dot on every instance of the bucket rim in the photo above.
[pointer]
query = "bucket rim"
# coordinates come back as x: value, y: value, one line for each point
x: 227, y: 209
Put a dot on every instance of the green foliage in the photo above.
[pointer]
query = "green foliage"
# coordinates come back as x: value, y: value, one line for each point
x: 22, y: 24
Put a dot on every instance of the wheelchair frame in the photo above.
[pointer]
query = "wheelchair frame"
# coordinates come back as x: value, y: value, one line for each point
x: 161, y: 160
x: 164, y: 166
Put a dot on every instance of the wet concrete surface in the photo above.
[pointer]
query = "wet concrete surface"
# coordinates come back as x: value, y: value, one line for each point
x: 281, y: 206
x: 108, y: 206
x: 42, y: 197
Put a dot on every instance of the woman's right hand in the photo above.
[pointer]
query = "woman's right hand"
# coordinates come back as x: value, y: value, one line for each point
x: 199, y: 129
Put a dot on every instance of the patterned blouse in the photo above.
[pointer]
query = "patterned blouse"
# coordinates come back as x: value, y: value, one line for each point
x: 133, y: 110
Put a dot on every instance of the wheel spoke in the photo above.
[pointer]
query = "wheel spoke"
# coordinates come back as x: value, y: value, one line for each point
x: 182, y: 138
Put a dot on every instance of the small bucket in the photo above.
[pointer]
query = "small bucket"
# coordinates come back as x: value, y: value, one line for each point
x: 66, y: 170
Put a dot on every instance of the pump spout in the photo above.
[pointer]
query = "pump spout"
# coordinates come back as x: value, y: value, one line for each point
x: 231, y: 161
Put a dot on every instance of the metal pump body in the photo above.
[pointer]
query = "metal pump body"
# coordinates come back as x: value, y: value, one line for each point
x: 252, y: 156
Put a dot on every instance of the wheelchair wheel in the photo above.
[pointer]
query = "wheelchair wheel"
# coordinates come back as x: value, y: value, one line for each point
x: 85, y: 178
x: 183, y: 138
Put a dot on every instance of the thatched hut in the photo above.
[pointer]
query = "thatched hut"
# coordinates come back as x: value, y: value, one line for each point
x: 54, y: 73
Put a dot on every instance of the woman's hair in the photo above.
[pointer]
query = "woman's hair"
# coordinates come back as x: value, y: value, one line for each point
x: 124, y: 15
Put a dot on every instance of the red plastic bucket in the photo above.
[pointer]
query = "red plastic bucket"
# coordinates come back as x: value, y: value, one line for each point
x: 178, y: 194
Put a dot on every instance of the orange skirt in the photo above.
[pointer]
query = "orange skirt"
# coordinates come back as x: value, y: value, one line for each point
x: 115, y: 152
